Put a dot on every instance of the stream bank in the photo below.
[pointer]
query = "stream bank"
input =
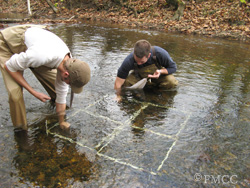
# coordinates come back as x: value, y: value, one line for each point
x: 222, y: 18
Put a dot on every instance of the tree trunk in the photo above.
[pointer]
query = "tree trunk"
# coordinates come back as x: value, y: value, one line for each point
x: 180, y: 10
x: 29, y: 10
x: 52, y: 6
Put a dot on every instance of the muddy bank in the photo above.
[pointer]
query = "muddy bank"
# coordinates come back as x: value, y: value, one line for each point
x: 221, y: 18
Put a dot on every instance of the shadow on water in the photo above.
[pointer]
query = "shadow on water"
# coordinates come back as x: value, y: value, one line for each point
x: 134, y: 100
x: 153, y: 137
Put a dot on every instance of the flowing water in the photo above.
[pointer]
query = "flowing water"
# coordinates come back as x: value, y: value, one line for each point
x: 194, y: 136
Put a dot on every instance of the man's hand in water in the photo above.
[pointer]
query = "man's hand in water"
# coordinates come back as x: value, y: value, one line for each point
x: 64, y: 125
x: 118, y: 98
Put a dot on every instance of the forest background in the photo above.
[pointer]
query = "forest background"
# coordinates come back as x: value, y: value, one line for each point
x: 215, y: 18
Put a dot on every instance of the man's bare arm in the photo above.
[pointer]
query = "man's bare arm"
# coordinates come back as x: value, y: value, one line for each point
x: 18, y: 77
x: 60, y: 110
x: 118, y: 83
x: 118, y: 86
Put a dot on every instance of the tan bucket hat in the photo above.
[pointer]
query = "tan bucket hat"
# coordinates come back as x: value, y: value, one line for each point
x: 79, y: 74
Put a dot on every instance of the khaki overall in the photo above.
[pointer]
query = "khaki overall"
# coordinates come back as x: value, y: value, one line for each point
x: 12, y: 42
x: 165, y: 81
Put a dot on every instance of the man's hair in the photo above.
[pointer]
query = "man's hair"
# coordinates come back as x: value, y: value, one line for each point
x: 142, y: 48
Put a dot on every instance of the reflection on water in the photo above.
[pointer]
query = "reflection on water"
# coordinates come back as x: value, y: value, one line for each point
x: 152, y: 138
x: 155, y: 96
x: 44, y: 160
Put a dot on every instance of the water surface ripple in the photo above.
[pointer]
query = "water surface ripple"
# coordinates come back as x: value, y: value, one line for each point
x: 194, y: 136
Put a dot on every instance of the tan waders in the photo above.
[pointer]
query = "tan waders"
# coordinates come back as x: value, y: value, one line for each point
x: 165, y: 81
x: 12, y: 42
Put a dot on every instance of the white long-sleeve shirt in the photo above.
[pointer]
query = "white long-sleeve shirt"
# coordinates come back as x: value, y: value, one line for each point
x: 44, y: 48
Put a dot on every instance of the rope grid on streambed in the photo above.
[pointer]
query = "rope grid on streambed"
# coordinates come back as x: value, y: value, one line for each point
x: 108, y: 139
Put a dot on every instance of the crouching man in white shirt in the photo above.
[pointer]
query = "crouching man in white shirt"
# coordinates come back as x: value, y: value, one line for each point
x: 48, y: 57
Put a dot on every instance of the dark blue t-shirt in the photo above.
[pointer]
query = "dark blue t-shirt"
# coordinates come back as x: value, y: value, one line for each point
x: 162, y: 56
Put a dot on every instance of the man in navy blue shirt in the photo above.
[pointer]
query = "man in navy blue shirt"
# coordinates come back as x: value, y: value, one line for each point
x: 147, y: 62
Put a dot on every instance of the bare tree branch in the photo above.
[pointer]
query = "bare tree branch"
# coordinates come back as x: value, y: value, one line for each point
x: 29, y: 10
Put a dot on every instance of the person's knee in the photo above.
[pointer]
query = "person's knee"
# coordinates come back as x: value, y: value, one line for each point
x: 172, y: 80
x: 16, y: 94
x: 169, y: 82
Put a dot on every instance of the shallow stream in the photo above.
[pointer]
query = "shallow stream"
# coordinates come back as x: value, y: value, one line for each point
x: 194, y: 136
